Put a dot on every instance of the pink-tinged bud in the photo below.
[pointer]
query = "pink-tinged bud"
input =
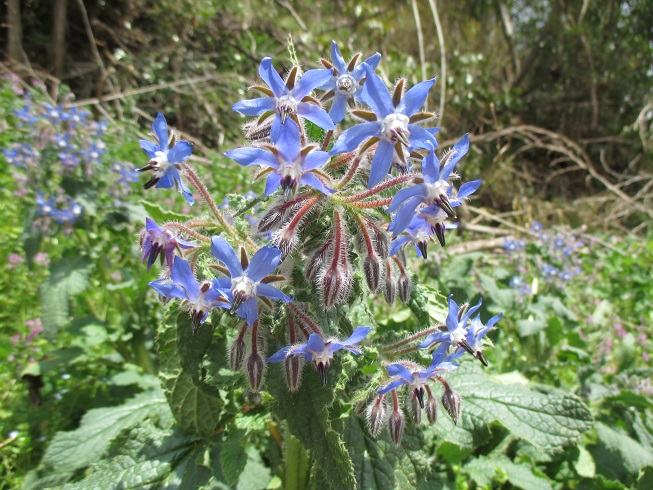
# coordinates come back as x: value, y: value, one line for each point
x: 237, y: 353
x: 390, y: 290
x: 416, y: 410
x: 293, y: 365
x: 332, y: 282
x: 396, y: 424
x: 451, y: 403
x: 404, y: 285
x: 372, y: 272
x: 431, y: 407
x: 285, y: 239
x: 376, y: 415
x: 272, y: 219
x: 318, y: 259
x: 254, y: 370
x: 380, y: 240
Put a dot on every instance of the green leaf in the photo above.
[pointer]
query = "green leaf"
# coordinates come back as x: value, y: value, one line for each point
x: 548, y: 421
x: 645, y: 480
x: 307, y: 414
x: 617, y: 455
x: 233, y: 457
x: 504, y: 298
x: 160, y: 215
x: 485, y: 470
x: 193, y: 408
x: 68, y: 276
x: 380, y: 464
x: 75, y: 449
x: 255, y: 476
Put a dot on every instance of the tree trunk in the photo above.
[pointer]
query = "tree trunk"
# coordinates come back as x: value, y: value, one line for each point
x: 14, y: 32
x: 59, y: 37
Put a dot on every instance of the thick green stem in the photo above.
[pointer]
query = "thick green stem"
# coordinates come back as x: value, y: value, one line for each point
x: 297, y: 464
x: 141, y: 353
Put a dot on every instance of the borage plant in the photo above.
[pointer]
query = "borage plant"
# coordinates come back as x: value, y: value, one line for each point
x: 341, y: 207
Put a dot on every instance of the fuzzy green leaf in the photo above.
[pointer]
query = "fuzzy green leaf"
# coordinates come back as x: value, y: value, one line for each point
x: 160, y: 215
x: 75, y: 449
x: 617, y: 455
x: 485, y: 470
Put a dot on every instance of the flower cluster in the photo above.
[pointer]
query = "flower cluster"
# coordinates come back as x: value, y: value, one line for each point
x: 338, y: 201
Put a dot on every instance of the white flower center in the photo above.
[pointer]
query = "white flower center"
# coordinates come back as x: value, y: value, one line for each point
x: 346, y: 84
x: 395, y: 128
x: 439, y: 218
x: 286, y: 105
x: 437, y: 189
x: 458, y: 335
x: 242, y: 285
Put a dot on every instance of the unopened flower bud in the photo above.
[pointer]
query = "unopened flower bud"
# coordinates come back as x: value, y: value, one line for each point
x: 254, y: 370
x: 317, y: 261
x: 237, y: 353
x: 451, y: 403
x: 390, y: 290
x: 396, y: 425
x: 376, y: 415
x: 404, y: 285
x: 372, y: 270
x: 332, y: 282
x: 431, y: 409
x: 271, y: 220
x: 293, y: 365
x: 416, y: 409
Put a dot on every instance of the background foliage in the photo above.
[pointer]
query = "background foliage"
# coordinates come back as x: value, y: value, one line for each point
x: 557, y: 99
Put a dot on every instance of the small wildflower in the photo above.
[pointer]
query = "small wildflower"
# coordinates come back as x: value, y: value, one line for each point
x: 156, y: 240
x: 321, y: 351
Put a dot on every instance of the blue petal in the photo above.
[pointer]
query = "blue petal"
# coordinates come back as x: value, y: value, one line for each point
x: 392, y: 386
x: 166, y: 181
x: 254, y: 107
x: 470, y: 312
x: 180, y: 152
x: 311, y: 180
x: 183, y: 275
x: 316, y: 115
x: 414, y: 99
x: 278, y: 129
x: 253, y: 156
x: 433, y: 338
x: 187, y: 194
x: 272, y: 293
x: 288, y: 142
x: 381, y: 162
x: 224, y: 284
x: 405, y: 193
x: 399, y: 242
x: 337, y: 59
x: 160, y: 128
x: 357, y: 335
x: 151, y: 225
x: 310, y: 80
x: 354, y: 136
x: 280, y: 355
x: 400, y: 371
x: 372, y: 62
x: 452, y: 316
x: 226, y: 254
x: 315, y: 159
x: 249, y: 310
x: 431, y: 168
x: 338, y: 108
x: 376, y: 95
x: 439, y: 354
x: 421, y: 138
x: 315, y: 343
x: 494, y: 320
x: 270, y: 76
x: 149, y: 148
x: 168, y: 289
x: 264, y: 261
x: 461, y: 148
x: 272, y: 184
x: 468, y: 188
x: 404, y: 216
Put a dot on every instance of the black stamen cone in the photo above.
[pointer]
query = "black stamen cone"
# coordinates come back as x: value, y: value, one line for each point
x: 439, y: 232
x: 463, y: 343
x: 419, y: 393
x: 197, y: 318
x: 322, y: 368
x: 422, y: 248
x: 479, y: 355
x: 443, y: 201
x: 239, y: 297
x: 151, y: 183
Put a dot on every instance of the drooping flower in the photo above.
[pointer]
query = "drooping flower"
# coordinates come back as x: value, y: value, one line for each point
x: 287, y: 100
x: 475, y: 333
x: 320, y: 350
x: 156, y: 240
x: 199, y: 300
x: 291, y: 165
x: 392, y: 123
x: 247, y: 280
x: 456, y: 329
x: 428, y: 221
x: 345, y: 84
x: 433, y: 188
x: 415, y: 377
x: 166, y: 158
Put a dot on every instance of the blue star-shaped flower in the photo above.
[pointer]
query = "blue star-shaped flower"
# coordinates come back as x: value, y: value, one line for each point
x: 291, y: 164
x: 156, y: 240
x: 434, y: 189
x: 417, y: 378
x: 321, y: 351
x: 428, y: 221
x: 345, y: 82
x: 394, y: 124
x: 166, y: 158
x: 247, y: 281
x: 475, y: 333
x: 456, y: 333
x: 287, y: 102
x: 198, y: 299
